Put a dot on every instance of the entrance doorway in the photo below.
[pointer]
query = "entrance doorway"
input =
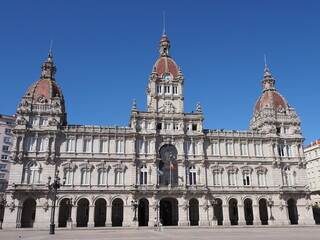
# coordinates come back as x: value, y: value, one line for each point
x: 117, y: 212
x: 83, y: 213
x: 28, y: 213
x: 63, y: 213
x: 263, y: 211
x: 248, y: 213
x: 194, y: 212
x: 169, y: 212
x: 293, y: 211
x: 100, y: 213
x: 143, y: 212
x: 233, y: 211
x: 218, y: 211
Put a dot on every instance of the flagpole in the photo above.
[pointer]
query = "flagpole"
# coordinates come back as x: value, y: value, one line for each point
x: 170, y: 174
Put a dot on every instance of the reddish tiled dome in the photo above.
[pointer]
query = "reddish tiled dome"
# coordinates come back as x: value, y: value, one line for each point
x: 271, y: 99
x: 43, y: 90
x: 166, y: 65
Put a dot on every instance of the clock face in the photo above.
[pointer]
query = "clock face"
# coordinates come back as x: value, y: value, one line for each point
x: 167, y: 76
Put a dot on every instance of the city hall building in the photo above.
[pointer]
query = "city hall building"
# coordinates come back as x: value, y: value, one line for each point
x: 164, y: 165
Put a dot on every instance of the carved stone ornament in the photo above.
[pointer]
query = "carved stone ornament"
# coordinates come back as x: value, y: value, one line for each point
x: 12, y: 206
x: 167, y: 107
x: 46, y: 206
x: 206, y: 207
x: 22, y: 121
x: 53, y: 122
x: 185, y: 206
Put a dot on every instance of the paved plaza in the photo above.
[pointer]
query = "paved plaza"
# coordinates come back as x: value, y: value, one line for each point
x: 226, y: 233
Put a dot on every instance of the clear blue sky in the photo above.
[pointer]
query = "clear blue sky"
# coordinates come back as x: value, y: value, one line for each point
x: 104, y: 52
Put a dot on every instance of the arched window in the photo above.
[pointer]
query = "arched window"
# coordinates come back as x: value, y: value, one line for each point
x: 33, y: 172
x: 192, y: 175
x: 287, y: 176
x: 143, y: 174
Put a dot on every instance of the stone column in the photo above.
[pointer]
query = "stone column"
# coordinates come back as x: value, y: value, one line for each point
x: 183, y: 214
x: 19, y: 213
x: 74, y: 216
x: 153, y: 213
x: 91, y: 216
x: 241, y: 216
x: 226, y: 218
x: 108, y: 215
x: 256, y: 215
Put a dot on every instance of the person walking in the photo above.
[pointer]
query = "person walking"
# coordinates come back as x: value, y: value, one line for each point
x: 155, y: 224
x: 161, y: 225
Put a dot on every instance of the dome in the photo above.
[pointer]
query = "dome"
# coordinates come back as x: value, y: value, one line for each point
x: 166, y: 65
x: 271, y: 99
x: 44, y: 90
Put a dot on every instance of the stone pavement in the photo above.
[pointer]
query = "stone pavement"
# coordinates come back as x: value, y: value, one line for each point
x: 194, y: 233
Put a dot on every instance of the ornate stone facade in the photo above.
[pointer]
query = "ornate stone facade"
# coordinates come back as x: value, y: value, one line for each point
x: 165, y: 160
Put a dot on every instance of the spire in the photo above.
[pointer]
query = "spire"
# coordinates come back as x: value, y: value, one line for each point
x: 267, y: 82
x: 48, y: 68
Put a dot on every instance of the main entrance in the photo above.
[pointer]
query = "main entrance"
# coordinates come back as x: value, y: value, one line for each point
x: 169, y: 211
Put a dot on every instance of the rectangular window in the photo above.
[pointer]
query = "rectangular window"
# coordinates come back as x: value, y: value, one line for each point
x: 232, y: 178
x: 8, y: 131
x: 103, y: 146
x: 86, y: 145
x: 175, y: 90
x: 261, y: 179
x: 257, y: 149
x: 167, y: 126
x: 143, y: 176
x: 159, y: 126
x: 3, y: 166
x: 148, y: 125
x: 43, y: 122
x: 70, y: 145
x: 246, y: 179
x: 2, y: 176
x: 119, y: 178
x: 216, y: 178
x: 187, y: 147
x: 215, y: 148
x: 41, y: 144
x: 33, y: 121
x: 30, y: 143
x: 229, y: 149
x: 139, y: 146
x: 119, y: 146
x: 102, y: 177
x: 195, y: 148
x: 4, y: 157
x: 243, y: 149
x: 194, y: 127
x: 85, y: 177
x: 159, y: 89
x: 69, y: 176
x: 281, y: 150
x: 166, y: 89
x: 288, y: 150
x: 286, y: 130
x: 148, y: 147
x: 5, y: 148
x: 6, y: 139
x: 8, y: 123
x: 175, y: 126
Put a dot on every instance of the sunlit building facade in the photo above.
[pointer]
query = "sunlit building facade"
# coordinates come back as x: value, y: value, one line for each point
x: 165, y: 161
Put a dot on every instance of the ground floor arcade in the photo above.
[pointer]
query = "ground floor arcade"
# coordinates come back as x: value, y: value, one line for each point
x: 173, y: 209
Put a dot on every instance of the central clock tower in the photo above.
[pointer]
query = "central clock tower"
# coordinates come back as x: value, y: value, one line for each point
x: 165, y: 87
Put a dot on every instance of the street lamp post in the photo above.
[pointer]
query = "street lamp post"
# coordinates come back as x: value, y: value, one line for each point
x: 54, y: 187
x: 69, y: 206
x: 214, y: 203
x: 3, y: 203
x: 270, y: 204
x: 135, y: 205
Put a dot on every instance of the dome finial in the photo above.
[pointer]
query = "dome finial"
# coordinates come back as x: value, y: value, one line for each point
x: 267, y: 82
x: 48, y: 68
